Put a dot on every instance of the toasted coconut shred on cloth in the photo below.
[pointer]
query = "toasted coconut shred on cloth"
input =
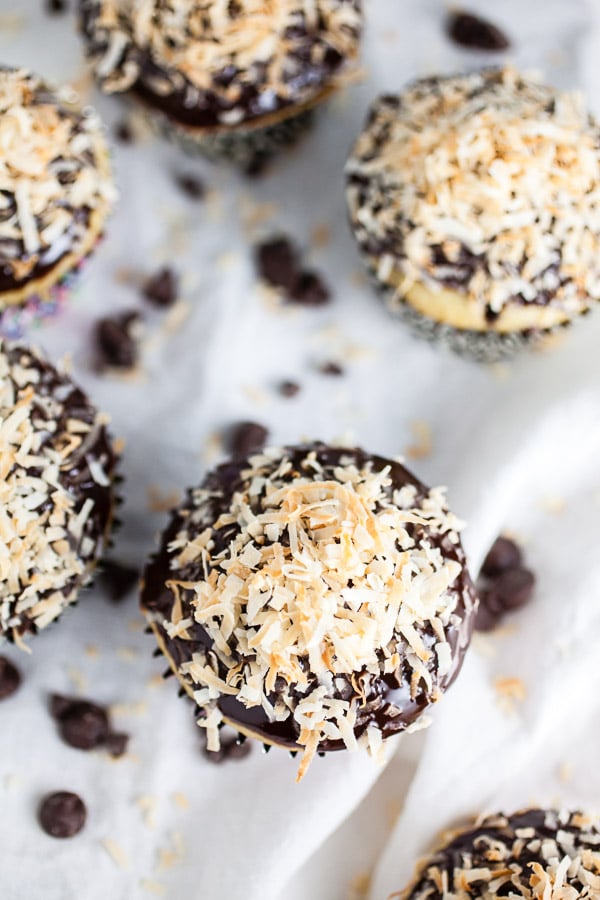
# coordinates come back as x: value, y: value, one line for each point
x: 518, y: 448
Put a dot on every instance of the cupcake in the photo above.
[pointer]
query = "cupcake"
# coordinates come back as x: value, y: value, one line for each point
x: 475, y: 202
x: 536, y: 853
x: 238, y: 79
x: 312, y: 597
x: 55, y: 194
x: 57, y: 491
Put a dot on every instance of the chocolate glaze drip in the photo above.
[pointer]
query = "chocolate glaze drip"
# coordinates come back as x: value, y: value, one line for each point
x: 191, y: 106
x: 467, y: 847
x: 385, y: 695
x: 76, y: 476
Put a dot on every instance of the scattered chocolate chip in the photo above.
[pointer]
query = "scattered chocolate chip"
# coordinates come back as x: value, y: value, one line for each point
x: 192, y: 186
x: 277, y: 262
x: 116, y: 743
x: 231, y: 748
x: 116, y: 342
x: 117, y: 579
x: 486, y: 618
x: 474, y: 32
x: 504, y: 584
x: 10, y: 678
x: 56, y: 6
x: 162, y: 288
x: 289, y: 388
x: 504, y: 554
x: 331, y: 368
x: 513, y: 588
x: 258, y: 165
x: 244, y: 438
x: 124, y: 132
x: 81, y: 724
x: 309, y: 289
x: 62, y: 814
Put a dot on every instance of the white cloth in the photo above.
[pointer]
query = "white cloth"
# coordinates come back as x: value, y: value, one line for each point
x: 510, y: 442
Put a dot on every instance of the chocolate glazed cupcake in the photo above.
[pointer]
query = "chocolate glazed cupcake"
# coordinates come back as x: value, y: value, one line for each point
x: 312, y: 597
x: 236, y: 79
x: 475, y: 201
x: 535, y: 854
x: 57, y: 491
x: 56, y: 191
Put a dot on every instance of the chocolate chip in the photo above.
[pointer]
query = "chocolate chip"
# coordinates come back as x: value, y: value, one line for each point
x: 309, y: 289
x: 116, y: 743
x: 192, y: 186
x: 504, y: 554
x: 331, y: 368
x: 62, y: 814
x: 124, y: 132
x: 162, y: 288
x: 115, y: 341
x: 245, y: 438
x: 56, y: 6
x: 486, y: 617
x: 230, y: 749
x: 10, y: 678
x: 277, y: 262
x: 289, y: 388
x: 81, y: 724
x: 513, y: 588
x: 117, y: 579
x: 474, y: 32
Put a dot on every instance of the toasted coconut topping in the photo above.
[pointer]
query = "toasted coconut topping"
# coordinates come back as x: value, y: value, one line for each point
x: 488, y: 183
x: 314, y: 580
x: 55, y: 495
x: 284, y: 49
x: 537, y: 854
x: 53, y: 173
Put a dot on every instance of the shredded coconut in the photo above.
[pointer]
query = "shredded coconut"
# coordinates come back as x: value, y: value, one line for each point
x: 536, y: 854
x: 50, y: 532
x: 54, y: 172
x: 488, y: 183
x: 327, y: 573
x: 283, y: 48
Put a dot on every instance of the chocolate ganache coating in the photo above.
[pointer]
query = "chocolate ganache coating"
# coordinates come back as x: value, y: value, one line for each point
x: 217, y: 64
x: 523, y: 855
x: 58, y: 493
x: 55, y: 182
x: 395, y: 685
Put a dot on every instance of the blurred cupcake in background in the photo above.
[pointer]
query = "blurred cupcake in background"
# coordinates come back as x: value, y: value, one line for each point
x: 56, y: 191
x: 235, y: 79
x: 475, y: 202
x: 57, y: 491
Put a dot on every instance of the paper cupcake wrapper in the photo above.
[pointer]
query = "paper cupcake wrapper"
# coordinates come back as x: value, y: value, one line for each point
x: 477, y: 346
x: 246, y: 148
x: 18, y: 318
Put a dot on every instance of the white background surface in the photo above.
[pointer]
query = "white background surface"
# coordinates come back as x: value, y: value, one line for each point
x: 518, y: 446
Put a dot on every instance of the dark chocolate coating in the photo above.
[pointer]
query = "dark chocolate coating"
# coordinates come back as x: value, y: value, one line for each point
x: 466, y: 851
x: 210, y: 104
x: 76, y: 476
x: 385, y: 694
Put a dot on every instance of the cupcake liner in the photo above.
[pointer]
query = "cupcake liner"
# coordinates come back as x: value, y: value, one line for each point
x: 246, y: 148
x: 17, y: 318
x: 477, y: 346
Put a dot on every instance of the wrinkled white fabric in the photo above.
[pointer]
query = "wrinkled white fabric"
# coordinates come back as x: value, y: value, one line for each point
x: 513, y: 443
